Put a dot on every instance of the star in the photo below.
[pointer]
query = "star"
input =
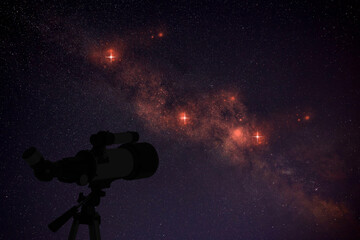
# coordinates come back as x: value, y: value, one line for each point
x: 257, y: 136
x: 184, y: 118
x: 111, y: 57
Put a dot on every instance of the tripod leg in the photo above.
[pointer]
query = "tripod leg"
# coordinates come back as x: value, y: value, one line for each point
x: 74, y: 229
x: 94, y: 230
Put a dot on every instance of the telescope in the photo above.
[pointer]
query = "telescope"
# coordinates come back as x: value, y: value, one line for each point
x: 97, y: 168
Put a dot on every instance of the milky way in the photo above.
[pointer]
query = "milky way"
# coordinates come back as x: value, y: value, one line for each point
x: 219, y: 119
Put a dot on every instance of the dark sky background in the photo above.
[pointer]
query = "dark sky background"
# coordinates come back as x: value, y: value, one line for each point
x: 285, y: 72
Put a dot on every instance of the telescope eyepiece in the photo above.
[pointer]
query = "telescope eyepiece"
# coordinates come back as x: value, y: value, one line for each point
x: 43, y: 169
x: 28, y: 152
x: 32, y: 156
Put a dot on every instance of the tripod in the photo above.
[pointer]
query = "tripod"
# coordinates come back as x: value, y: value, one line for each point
x: 87, y: 215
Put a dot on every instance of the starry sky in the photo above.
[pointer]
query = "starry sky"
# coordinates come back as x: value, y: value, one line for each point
x: 252, y: 106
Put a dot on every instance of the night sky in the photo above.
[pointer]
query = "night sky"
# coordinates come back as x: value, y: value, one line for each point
x: 252, y: 106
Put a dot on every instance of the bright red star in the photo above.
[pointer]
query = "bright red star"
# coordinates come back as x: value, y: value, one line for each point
x: 258, y: 137
x: 184, y: 117
x: 111, y: 56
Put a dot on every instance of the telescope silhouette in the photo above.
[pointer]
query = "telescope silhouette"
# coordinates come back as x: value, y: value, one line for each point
x: 98, y: 168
